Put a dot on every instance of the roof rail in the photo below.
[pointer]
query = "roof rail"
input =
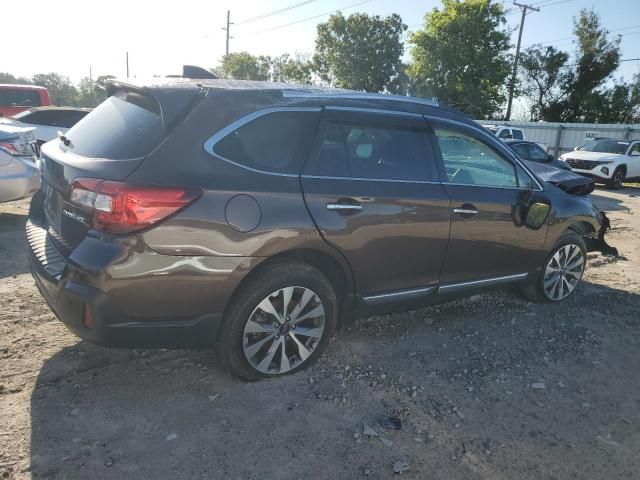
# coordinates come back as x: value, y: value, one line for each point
x: 359, y: 96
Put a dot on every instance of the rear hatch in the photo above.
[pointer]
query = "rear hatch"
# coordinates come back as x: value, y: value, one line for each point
x: 108, y: 144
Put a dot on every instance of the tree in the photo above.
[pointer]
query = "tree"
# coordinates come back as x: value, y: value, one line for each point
x: 543, y: 74
x: 460, y: 56
x: 597, y: 58
x: 91, y: 93
x: 244, y: 66
x: 8, y: 78
x: 361, y: 52
x: 61, y: 90
x: 286, y: 69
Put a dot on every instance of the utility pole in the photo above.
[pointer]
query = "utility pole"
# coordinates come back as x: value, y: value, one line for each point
x: 227, y: 29
x: 90, y: 73
x: 127, y: 64
x: 512, y: 85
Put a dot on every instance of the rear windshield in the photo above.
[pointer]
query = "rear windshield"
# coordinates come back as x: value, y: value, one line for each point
x: 19, y: 97
x: 126, y: 125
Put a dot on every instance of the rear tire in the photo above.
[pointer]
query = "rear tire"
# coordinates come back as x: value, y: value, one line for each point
x: 616, y: 179
x: 279, y: 322
x: 561, y: 272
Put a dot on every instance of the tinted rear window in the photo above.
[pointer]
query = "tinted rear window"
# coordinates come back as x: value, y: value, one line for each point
x: 275, y: 142
x: 126, y: 125
x: 19, y: 97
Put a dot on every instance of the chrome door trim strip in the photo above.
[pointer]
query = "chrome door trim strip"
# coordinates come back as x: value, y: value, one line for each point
x: 359, y: 179
x: 487, y: 282
x: 399, y: 295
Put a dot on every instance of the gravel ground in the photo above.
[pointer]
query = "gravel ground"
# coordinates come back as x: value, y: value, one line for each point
x: 491, y: 387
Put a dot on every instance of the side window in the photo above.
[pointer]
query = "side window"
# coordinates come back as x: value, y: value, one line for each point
x: 469, y: 161
x: 275, y: 142
x: 375, y: 152
x: 505, y: 133
x: 635, y: 149
x: 536, y: 153
x: 517, y: 133
x: 521, y: 150
x: 524, y: 179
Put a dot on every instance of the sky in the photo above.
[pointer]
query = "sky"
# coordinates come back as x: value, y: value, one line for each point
x: 78, y: 36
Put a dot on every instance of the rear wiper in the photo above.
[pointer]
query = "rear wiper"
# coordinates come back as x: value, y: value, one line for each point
x: 65, y: 140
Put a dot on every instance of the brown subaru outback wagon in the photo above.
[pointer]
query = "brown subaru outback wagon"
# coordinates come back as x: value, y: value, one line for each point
x: 259, y: 217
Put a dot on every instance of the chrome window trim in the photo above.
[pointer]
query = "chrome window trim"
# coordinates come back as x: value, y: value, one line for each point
x: 481, y: 130
x: 456, y: 287
x: 210, y: 143
x: 360, y: 96
x: 417, y: 116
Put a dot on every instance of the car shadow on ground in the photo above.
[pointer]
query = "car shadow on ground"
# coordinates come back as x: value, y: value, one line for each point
x: 13, y: 258
x: 607, y: 203
x: 111, y: 413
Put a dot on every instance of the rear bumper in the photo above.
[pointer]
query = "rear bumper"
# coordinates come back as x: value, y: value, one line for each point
x: 19, y: 179
x: 98, y: 315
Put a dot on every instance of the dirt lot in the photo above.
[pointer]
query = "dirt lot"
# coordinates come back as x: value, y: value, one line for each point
x: 490, y: 387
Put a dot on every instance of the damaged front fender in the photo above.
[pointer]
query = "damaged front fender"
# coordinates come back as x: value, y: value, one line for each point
x: 598, y: 243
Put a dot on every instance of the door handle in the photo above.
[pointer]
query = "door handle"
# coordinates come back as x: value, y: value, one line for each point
x: 467, y: 210
x: 343, y: 207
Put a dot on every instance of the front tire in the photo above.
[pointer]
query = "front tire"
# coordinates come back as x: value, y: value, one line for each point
x: 561, y: 272
x: 616, y: 179
x: 279, y: 322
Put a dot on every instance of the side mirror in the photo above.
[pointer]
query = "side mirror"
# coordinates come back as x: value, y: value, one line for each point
x: 576, y: 148
x: 551, y: 158
x: 536, y: 215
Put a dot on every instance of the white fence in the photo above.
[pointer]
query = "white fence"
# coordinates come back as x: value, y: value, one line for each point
x: 563, y: 137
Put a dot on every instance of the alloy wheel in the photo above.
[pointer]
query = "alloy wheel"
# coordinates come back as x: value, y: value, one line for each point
x: 563, y: 272
x: 283, y: 330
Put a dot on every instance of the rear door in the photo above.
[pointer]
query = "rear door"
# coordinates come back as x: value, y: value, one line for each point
x: 371, y: 185
x: 485, y: 184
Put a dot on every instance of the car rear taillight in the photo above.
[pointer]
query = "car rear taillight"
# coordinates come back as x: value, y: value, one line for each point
x: 10, y: 148
x: 121, y: 208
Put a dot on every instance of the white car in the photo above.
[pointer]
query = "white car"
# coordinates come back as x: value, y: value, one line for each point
x: 606, y: 160
x: 19, y: 172
x: 505, y: 132
x: 47, y: 121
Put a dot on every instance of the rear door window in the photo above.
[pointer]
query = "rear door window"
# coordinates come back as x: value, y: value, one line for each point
x: 126, y: 125
x: 276, y: 142
x: 19, y: 97
x: 517, y: 133
x: 505, y: 133
x: 374, y: 152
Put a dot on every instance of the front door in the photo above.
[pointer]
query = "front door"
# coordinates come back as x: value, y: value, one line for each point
x: 485, y: 184
x: 372, y: 188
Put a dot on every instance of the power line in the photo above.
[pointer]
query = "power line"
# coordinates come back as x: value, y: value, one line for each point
x: 275, y: 12
x: 569, y: 38
x: 310, y: 18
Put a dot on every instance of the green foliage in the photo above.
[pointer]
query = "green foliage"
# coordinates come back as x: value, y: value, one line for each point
x: 90, y: 93
x: 286, y: 69
x: 543, y: 74
x: 244, y: 66
x: 61, y: 90
x: 460, y: 56
x: 361, y: 52
x: 8, y: 78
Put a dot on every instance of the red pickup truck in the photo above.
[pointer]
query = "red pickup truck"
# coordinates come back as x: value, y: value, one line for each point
x: 16, y: 98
